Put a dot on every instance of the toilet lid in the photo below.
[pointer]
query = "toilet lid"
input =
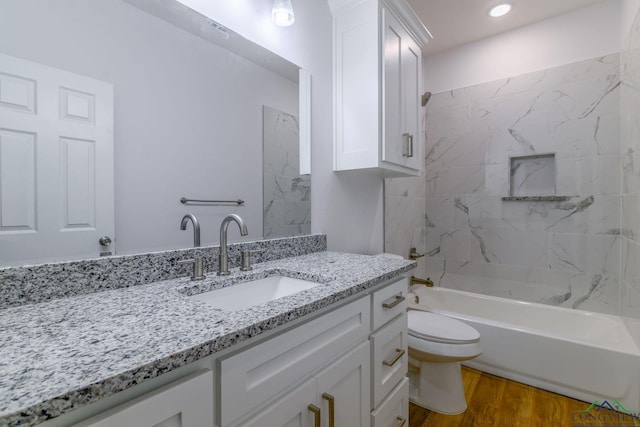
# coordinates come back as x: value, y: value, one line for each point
x: 439, y: 328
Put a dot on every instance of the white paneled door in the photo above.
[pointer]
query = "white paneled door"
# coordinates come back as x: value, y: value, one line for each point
x: 56, y: 163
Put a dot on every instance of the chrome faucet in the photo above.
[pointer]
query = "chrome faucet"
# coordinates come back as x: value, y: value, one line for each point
x: 223, y: 260
x: 196, y: 228
x: 197, y: 261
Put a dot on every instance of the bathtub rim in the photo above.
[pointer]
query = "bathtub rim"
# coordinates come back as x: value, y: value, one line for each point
x: 620, y: 320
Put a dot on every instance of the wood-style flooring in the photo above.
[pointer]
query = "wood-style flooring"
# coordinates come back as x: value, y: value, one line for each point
x: 497, y: 402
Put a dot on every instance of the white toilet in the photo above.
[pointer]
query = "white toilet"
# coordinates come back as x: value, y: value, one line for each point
x: 437, y: 345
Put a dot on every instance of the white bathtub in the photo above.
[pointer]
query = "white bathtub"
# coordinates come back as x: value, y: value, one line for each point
x: 584, y: 355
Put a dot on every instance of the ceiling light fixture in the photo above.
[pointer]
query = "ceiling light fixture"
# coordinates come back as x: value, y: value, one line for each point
x: 282, y: 13
x: 500, y: 10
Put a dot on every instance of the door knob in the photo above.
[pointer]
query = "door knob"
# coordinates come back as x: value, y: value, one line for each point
x: 104, y: 241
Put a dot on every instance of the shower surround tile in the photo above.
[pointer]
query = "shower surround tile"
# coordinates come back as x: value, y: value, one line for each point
x: 585, y: 253
x: 630, y: 158
x: 405, y: 218
x: 287, y: 194
x: 533, y: 175
x: 559, y: 252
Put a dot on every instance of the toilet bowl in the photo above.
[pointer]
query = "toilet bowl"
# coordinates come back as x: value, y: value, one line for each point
x: 437, y: 345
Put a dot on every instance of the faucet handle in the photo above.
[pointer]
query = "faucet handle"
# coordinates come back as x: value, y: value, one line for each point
x: 198, y: 267
x: 246, y: 260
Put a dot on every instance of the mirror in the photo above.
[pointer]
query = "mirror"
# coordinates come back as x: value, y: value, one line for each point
x: 188, y: 97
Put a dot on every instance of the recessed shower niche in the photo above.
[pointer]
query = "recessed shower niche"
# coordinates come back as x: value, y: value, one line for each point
x: 533, y: 178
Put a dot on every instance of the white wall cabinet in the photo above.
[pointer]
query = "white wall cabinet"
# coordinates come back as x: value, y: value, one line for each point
x: 377, y: 70
x: 402, y: 71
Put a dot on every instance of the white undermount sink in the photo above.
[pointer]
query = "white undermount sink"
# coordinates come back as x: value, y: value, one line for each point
x: 255, y: 292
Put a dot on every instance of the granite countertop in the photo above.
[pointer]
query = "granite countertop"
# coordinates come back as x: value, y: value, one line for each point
x: 62, y: 354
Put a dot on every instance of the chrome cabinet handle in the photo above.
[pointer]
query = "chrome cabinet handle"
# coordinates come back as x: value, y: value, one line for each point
x: 399, y: 353
x: 409, y: 150
x: 316, y: 414
x: 401, y: 421
x: 332, y: 408
x: 392, y: 302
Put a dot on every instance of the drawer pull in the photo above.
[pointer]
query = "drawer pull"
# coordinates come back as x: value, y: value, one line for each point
x: 401, y: 421
x: 393, y: 301
x: 316, y: 414
x: 332, y: 408
x: 399, y: 354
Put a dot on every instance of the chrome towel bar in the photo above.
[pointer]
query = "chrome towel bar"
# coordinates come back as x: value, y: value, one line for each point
x: 185, y: 201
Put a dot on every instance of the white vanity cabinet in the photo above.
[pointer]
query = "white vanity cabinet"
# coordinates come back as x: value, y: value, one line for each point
x: 344, y: 365
x: 377, y: 93
x: 345, y: 368
x: 187, y: 402
x: 337, y: 396
x: 317, y: 350
x: 389, y: 356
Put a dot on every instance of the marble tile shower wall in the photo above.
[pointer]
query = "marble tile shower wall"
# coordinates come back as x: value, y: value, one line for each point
x: 560, y: 253
x: 630, y: 267
x: 287, y: 194
x: 404, y: 219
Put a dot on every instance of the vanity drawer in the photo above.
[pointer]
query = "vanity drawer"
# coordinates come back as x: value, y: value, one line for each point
x: 389, y: 302
x: 260, y: 373
x: 390, y: 357
x: 394, y: 410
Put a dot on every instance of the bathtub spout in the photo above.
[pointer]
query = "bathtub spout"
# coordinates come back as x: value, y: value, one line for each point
x: 416, y: 281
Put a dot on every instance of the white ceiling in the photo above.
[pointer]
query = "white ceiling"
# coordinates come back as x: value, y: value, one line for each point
x: 457, y: 22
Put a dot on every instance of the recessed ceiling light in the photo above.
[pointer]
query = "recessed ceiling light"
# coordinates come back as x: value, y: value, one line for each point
x: 500, y: 10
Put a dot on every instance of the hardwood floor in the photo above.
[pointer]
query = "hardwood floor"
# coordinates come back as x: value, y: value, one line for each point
x: 497, y: 402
